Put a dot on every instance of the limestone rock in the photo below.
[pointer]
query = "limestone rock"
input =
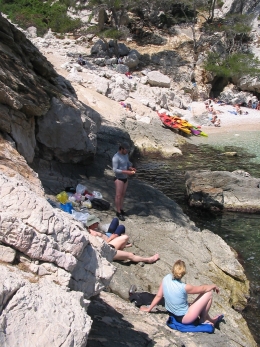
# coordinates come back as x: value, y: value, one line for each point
x: 30, y: 90
x: 218, y: 190
x: 123, y: 49
x: 50, y: 314
x: 132, y: 59
x: 32, y: 226
x: 67, y: 119
x: 155, y: 78
x: 122, y: 68
x: 7, y: 254
x: 98, y: 47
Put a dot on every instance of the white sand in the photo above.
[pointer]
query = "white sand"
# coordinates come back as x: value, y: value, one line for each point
x: 231, y: 122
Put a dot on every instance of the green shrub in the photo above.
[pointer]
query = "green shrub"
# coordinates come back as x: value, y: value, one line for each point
x: 234, y: 65
x: 111, y: 34
x: 41, y: 14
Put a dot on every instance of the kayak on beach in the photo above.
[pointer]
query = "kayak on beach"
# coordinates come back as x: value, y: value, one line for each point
x: 180, y: 124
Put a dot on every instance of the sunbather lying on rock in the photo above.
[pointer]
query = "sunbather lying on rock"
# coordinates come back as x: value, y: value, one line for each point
x: 117, y: 240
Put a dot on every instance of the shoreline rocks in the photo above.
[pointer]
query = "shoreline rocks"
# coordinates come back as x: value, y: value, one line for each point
x: 222, y: 190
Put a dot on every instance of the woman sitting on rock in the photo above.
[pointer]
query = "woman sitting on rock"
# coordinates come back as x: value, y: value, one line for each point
x: 175, y: 294
x: 117, y: 239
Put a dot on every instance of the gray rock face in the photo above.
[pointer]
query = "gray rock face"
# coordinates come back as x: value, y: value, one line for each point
x: 7, y: 254
x: 98, y: 48
x: 236, y: 6
x: 122, y: 68
x: 155, y: 78
x: 132, y: 59
x: 31, y: 93
x: 62, y: 131
x: 40, y: 313
x: 218, y: 190
x: 31, y: 225
x: 102, y: 49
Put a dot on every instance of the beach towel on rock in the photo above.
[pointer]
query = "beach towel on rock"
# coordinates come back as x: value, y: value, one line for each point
x: 189, y: 328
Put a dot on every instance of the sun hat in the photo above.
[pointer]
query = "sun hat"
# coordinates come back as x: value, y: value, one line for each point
x: 92, y: 219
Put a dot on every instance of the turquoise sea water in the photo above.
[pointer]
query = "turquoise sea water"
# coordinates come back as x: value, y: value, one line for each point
x: 241, y: 231
x: 247, y: 140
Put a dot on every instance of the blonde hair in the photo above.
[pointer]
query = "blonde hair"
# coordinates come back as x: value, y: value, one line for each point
x: 179, y: 269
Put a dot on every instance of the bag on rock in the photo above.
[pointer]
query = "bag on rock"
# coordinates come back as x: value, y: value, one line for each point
x: 144, y: 298
x: 100, y: 204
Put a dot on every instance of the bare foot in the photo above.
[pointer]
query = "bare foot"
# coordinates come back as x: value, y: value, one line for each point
x: 154, y: 258
x: 128, y: 245
x: 217, y: 319
x: 208, y: 322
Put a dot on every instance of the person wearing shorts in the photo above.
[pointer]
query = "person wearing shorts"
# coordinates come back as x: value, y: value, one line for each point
x: 118, y: 240
x: 122, y: 168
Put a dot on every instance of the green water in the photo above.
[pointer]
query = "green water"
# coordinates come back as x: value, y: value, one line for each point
x: 241, y: 231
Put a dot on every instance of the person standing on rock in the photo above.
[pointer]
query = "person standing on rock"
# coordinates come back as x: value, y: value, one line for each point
x: 122, y: 168
x: 175, y: 294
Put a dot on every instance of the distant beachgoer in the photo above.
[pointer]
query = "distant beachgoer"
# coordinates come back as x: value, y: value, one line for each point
x: 175, y: 294
x: 81, y: 61
x: 217, y: 122
x: 120, y: 60
x: 213, y: 120
x: 254, y: 104
x: 128, y: 107
x: 238, y: 109
x: 128, y: 74
x: 249, y: 104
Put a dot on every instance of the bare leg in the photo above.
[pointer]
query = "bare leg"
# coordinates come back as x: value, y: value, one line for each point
x: 200, y: 307
x: 122, y: 255
x: 119, y: 242
x: 119, y: 193
x: 123, y: 195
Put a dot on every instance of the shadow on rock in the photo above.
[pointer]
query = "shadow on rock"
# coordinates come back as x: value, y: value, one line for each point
x: 115, y: 330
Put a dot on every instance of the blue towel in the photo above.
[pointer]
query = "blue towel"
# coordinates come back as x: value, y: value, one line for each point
x: 189, y: 328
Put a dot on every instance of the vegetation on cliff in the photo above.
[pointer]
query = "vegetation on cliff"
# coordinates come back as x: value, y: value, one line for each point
x: 41, y: 14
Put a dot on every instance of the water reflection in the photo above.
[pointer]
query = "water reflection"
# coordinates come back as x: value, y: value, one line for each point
x: 241, y: 231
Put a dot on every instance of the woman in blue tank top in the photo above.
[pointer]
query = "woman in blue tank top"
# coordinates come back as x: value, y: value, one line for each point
x: 175, y: 294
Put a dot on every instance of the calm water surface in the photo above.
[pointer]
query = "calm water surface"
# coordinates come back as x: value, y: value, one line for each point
x: 241, y: 231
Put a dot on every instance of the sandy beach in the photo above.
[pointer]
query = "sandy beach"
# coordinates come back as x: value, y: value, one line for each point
x: 231, y: 123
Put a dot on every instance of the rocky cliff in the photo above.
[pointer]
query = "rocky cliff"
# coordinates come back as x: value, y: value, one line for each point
x: 51, y: 253
x: 39, y: 109
x: 50, y: 265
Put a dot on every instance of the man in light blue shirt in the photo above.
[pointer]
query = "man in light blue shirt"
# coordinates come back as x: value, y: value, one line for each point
x: 122, y: 168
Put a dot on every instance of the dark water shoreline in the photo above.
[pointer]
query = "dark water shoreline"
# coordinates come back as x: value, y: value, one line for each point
x: 239, y: 230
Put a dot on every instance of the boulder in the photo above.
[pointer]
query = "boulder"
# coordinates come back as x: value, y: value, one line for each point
x: 67, y: 119
x: 30, y: 90
x: 7, y: 254
x: 222, y: 190
x: 156, y: 78
x: 50, y: 314
x: 122, y: 68
x: 99, y: 48
x: 122, y: 49
x: 132, y: 59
